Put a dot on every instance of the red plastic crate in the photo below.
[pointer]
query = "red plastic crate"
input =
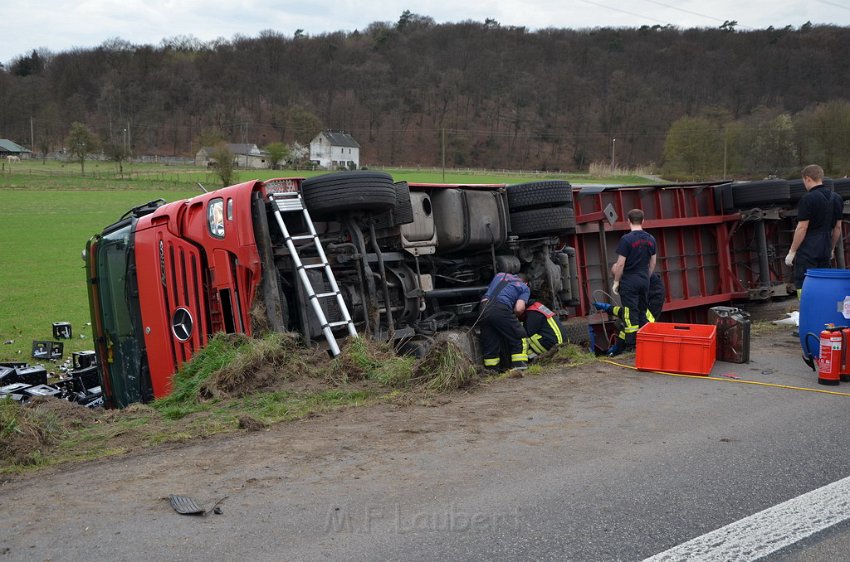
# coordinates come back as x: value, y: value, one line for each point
x: 677, y: 348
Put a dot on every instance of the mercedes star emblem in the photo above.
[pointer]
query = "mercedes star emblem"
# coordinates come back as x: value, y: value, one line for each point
x: 181, y: 324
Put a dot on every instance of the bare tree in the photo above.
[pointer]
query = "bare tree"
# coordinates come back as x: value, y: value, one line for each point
x: 81, y: 143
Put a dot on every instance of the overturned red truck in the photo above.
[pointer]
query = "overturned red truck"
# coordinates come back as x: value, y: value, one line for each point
x: 357, y: 253
x: 327, y: 257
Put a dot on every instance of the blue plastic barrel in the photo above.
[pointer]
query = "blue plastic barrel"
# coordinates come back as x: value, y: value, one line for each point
x: 822, y: 302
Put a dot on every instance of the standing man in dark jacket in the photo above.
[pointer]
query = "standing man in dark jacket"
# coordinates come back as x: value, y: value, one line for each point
x: 502, y: 304
x: 818, y: 218
x: 636, y: 256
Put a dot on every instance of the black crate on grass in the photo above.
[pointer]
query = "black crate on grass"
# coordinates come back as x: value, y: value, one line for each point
x: 32, y: 375
x: 47, y: 349
x: 88, y: 378
x: 83, y: 359
x: 61, y: 330
x: 42, y: 390
x: 14, y: 388
x: 13, y: 364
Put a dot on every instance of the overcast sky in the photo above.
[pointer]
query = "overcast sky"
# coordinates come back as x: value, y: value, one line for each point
x: 60, y: 25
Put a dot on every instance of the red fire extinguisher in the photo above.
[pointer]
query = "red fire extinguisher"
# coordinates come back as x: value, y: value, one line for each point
x: 829, y: 362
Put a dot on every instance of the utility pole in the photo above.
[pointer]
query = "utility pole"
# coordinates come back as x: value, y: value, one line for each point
x: 613, y: 144
x: 32, y: 137
x: 443, y: 130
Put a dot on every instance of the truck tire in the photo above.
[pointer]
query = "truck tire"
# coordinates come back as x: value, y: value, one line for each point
x: 554, y: 220
x: 539, y: 194
x: 349, y: 191
x: 403, y: 211
x: 796, y: 190
x: 758, y: 193
x: 842, y: 187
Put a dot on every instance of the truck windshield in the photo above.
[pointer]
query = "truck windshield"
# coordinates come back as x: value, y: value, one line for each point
x: 114, y: 287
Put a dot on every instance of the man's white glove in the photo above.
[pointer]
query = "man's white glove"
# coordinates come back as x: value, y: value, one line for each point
x: 615, y: 288
x: 789, y: 259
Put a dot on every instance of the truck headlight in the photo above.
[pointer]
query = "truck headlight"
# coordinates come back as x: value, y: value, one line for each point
x: 215, y: 217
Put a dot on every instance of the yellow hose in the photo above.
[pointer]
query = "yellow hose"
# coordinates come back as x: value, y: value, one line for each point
x: 732, y: 380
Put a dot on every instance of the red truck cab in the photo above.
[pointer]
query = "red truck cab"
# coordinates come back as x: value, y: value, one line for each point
x: 196, y: 264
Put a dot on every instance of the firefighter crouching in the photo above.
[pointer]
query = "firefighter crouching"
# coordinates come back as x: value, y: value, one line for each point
x: 501, y: 305
x: 628, y: 318
x: 543, y: 328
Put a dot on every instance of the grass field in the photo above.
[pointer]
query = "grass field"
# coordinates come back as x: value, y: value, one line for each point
x: 48, y: 211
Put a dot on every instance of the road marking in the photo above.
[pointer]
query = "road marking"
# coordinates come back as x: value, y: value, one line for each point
x: 767, y: 531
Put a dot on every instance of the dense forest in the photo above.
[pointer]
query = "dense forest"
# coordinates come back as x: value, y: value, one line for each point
x: 412, y: 92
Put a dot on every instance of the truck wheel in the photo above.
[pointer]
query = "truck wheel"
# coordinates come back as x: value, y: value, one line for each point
x: 842, y: 187
x: 555, y: 220
x: 349, y: 191
x: 796, y: 189
x: 539, y: 194
x: 403, y: 211
x: 757, y: 193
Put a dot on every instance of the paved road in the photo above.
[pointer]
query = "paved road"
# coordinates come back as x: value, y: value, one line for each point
x: 598, y: 463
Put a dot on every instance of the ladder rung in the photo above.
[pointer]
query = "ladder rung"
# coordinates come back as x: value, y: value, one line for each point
x: 338, y: 323
x: 325, y: 295
x: 313, y: 266
x: 289, y: 206
x: 301, y: 237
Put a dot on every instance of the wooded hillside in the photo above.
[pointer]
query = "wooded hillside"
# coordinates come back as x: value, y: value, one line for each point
x: 501, y: 97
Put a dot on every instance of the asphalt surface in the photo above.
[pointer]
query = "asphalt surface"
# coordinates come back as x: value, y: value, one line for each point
x: 619, y: 465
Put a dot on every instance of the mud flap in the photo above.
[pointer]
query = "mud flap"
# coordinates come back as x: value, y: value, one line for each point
x: 185, y: 505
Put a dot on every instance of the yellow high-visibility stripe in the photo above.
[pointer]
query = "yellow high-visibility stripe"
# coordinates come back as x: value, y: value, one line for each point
x: 535, y: 344
x: 626, y: 313
x: 519, y: 358
x: 556, y: 329
x: 491, y: 361
x: 649, y: 316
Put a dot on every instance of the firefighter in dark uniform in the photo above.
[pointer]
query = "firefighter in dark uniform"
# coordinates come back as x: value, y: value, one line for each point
x: 502, y: 304
x: 657, y: 295
x: 543, y: 328
x: 819, y: 216
x: 635, y: 263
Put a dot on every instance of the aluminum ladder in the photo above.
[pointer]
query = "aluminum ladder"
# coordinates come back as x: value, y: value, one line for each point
x: 291, y: 202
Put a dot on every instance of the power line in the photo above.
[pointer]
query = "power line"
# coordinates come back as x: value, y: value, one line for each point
x: 684, y: 10
x: 642, y: 16
x: 692, y: 12
x: 836, y: 4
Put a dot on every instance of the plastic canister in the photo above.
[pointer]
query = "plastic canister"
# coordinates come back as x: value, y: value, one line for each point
x: 825, y: 299
x: 733, y: 333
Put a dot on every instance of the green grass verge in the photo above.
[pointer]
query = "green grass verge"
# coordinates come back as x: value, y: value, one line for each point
x: 49, y: 432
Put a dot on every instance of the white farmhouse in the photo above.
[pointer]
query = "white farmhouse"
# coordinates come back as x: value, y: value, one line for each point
x: 333, y: 150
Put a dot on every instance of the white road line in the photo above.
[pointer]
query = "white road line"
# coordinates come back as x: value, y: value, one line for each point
x: 767, y: 531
